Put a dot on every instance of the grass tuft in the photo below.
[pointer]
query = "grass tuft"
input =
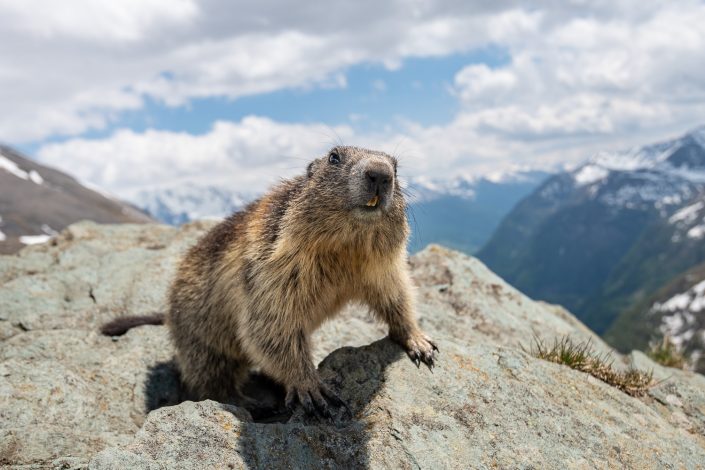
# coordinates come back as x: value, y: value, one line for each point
x: 667, y: 354
x: 582, y: 357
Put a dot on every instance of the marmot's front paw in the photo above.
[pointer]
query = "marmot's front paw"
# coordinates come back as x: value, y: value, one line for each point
x: 420, y: 348
x: 314, y: 399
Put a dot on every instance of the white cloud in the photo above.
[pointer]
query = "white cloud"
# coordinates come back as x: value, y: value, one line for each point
x: 633, y: 75
x: 479, y: 82
x: 69, y: 67
x: 101, y: 20
x: 248, y: 155
x: 581, y: 77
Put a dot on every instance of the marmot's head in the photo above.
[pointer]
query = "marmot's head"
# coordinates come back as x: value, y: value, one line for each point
x: 358, y: 181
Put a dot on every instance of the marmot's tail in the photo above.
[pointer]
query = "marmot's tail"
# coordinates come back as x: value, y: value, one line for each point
x: 122, y: 325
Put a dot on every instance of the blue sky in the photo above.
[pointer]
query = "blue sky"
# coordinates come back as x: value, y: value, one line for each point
x: 144, y: 93
x: 373, y: 97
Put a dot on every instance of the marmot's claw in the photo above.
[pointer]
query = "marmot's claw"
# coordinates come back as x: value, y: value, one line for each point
x: 323, y: 410
x: 316, y: 401
x: 306, y: 403
x: 415, y: 358
x: 336, y: 400
x: 322, y: 404
x: 428, y: 359
x: 420, y: 349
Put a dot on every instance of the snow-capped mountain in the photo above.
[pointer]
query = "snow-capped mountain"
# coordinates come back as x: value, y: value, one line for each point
x: 37, y: 201
x: 177, y: 204
x: 421, y: 189
x: 689, y: 221
x: 460, y: 213
x: 676, y: 310
x: 604, y: 235
x: 664, y: 175
x: 682, y: 318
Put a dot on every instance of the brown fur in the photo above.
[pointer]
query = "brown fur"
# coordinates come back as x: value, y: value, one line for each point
x: 122, y: 325
x: 252, y: 290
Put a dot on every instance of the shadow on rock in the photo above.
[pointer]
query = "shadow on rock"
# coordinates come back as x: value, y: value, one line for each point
x: 163, y: 386
x: 357, y: 375
x: 278, y: 439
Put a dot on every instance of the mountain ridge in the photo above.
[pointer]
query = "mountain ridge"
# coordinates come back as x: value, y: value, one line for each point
x: 602, y: 236
x: 674, y: 311
x: 38, y: 201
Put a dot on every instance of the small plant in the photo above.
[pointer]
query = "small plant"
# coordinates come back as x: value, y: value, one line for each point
x: 667, y: 354
x: 582, y: 357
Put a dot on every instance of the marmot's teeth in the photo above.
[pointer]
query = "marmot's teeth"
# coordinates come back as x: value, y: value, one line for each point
x: 373, y: 202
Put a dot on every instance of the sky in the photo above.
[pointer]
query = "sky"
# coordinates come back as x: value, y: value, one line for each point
x: 153, y: 93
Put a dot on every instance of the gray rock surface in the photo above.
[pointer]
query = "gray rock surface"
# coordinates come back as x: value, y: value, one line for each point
x: 69, y: 396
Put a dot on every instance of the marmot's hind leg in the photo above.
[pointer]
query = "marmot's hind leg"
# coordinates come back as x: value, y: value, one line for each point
x: 211, y: 375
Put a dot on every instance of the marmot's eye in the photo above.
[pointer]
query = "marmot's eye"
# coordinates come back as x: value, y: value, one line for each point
x: 334, y: 158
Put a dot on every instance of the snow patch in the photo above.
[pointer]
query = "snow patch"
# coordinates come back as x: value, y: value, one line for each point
x: 699, y: 288
x: 697, y: 232
x: 671, y: 324
x: 12, y: 168
x: 36, y: 177
x: 698, y: 304
x: 681, y: 318
x: 650, y: 189
x: 34, y: 239
x: 671, y: 199
x: 698, y: 135
x: 497, y: 177
x: 590, y: 174
x: 3, y: 237
x: 677, y: 302
x: 687, y: 214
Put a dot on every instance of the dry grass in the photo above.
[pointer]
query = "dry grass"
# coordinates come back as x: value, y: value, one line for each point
x: 667, y: 354
x: 582, y: 357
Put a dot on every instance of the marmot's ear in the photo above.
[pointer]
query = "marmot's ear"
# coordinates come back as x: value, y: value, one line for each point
x: 309, y: 169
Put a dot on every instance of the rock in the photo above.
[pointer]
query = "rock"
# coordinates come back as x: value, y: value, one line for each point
x: 483, y: 405
x: 69, y: 396
x: 65, y: 389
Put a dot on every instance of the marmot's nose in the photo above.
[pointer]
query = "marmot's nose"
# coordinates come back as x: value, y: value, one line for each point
x: 378, y: 180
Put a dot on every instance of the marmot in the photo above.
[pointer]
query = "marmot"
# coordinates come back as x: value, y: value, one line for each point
x: 253, y: 289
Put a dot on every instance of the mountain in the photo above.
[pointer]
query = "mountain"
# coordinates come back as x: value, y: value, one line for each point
x: 677, y: 310
x: 461, y: 213
x: 178, y: 204
x: 604, y: 236
x: 37, y: 201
